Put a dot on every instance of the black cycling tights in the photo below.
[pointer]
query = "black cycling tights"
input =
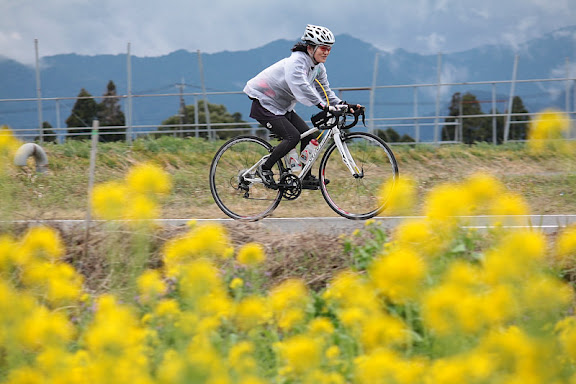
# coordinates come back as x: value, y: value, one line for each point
x: 288, y: 127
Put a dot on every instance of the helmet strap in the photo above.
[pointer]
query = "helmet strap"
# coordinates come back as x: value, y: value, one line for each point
x: 315, y: 47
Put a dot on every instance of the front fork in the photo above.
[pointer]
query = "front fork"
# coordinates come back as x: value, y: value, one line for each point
x: 347, y: 156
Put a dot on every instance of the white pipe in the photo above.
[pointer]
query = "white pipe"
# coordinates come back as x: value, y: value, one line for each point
x: 31, y: 149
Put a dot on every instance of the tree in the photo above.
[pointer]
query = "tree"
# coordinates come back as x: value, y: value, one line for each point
x: 218, y: 115
x: 391, y: 136
x: 474, y: 129
x: 84, y: 111
x: 518, y: 131
x: 110, y: 114
x: 48, y: 135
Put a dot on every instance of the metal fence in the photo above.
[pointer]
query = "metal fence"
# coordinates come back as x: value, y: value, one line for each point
x: 414, y: 109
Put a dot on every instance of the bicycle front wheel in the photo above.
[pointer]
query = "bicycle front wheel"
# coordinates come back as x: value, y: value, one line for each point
x: 358, y: 198
x: 233, y: 182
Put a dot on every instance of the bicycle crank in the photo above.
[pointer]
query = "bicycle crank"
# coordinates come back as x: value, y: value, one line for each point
x: 290, y: 185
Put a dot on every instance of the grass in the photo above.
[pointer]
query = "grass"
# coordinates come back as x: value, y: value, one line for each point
x: 546, y: 180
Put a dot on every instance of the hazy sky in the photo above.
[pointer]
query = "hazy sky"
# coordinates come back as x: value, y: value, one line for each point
x: 155, y: 28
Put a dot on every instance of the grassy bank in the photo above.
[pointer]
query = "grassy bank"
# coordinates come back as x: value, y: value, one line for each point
x: 547, y: 180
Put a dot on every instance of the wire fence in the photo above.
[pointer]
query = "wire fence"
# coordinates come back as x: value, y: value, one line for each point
x: 416, y: 111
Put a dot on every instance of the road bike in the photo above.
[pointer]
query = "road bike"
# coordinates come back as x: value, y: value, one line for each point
x: 352, y: 171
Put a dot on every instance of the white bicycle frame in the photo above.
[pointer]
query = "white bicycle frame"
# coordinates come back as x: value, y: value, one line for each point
x: 334, y: 132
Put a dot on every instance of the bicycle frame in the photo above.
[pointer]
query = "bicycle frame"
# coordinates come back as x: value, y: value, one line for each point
x: 333, y: 133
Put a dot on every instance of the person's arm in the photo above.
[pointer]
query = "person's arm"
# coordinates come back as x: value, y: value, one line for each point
x: 324, y: 86
x: 297, y: 80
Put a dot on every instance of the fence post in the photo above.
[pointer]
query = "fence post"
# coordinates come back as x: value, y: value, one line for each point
x: 39, y: 94
x: 206, y: 109
x: 373, y: 93
x: 91, y: 171
x: 416, y: 121
x: 129, y: 106
x: 494, y: 121
x: 436, y: 119
x: 511, y: 99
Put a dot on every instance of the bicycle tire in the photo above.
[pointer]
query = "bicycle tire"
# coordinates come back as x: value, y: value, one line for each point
x: 237, y: 198
x: 358, y: 198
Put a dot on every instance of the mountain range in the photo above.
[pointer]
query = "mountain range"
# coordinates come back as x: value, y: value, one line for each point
x: 351, y: 64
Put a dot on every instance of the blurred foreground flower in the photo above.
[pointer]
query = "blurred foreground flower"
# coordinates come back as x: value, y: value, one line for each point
x: 399, y: 196
x: 251, y: 254
x: 135, y: 199
x: 148, y: 179
x: 548, y: 130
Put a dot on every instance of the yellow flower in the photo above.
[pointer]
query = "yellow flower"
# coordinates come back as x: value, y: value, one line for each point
x: 288, y: 301
x: 114, y: 330
x: 399, y: 196
x: 42, y: 242
x: 516, y: 257
x: 109, y: 200
x: 251, y: 254
x: 8, y: 247
x: 398, y: 274
x: 483, y: 188
x: 141, y: 207
x: 566, y: 329
x: 441, y: 306
x: 320, y: 326
x: 349, y: 290
x: 420, y: 235
x: 251, y: 312
x: 58, y: 283
x: 565, y: 244
x: 382, y: 331
x: 300, y: 353
x: 385, y: 366
x: 547, y: 129
x: 240, y: 357
x: 333, y: 352
x: 217, y: 303
x: 150, y: 285
x: 8, y: 142
x: 236, y: 283
x: 203, y: 241
x: 447, y: 202
x: 148, y: 179
x: 167, y: 308
x: 199, y: 278
x: 546, y: 295
x: 42, y: 328
x: 509, y: 204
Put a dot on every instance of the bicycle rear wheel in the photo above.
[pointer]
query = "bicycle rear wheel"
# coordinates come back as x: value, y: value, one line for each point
x: 238, y: 194
x: 358, y: 198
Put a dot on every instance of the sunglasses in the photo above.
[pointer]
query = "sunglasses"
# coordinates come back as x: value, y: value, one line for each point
x: 324, y: 48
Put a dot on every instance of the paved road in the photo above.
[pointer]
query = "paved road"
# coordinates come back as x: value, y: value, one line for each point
x: 547, y: 223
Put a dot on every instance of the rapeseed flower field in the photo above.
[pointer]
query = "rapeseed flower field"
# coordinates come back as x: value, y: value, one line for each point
x: 437, y: 304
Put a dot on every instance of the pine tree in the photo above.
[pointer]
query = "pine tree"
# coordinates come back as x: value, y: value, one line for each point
x: 218, y: 114
x: 474, y: 129
x: 83, y: 113
x: 518, y: 131
x: 110, y: 115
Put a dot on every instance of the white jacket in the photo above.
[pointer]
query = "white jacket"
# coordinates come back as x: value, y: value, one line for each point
x: 288, y: 81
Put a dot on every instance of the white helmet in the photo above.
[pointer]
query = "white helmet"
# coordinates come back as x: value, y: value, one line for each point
x: 317, y: 35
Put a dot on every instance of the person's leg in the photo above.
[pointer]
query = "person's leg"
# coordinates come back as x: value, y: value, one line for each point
x: 290, y: 135
x: 301, y: 126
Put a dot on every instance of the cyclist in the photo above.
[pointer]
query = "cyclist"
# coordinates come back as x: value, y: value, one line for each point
x: 276, y: 90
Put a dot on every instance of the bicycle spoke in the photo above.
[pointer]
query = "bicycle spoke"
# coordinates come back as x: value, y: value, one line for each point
x: 232, y: 180
x: 358, y: 198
